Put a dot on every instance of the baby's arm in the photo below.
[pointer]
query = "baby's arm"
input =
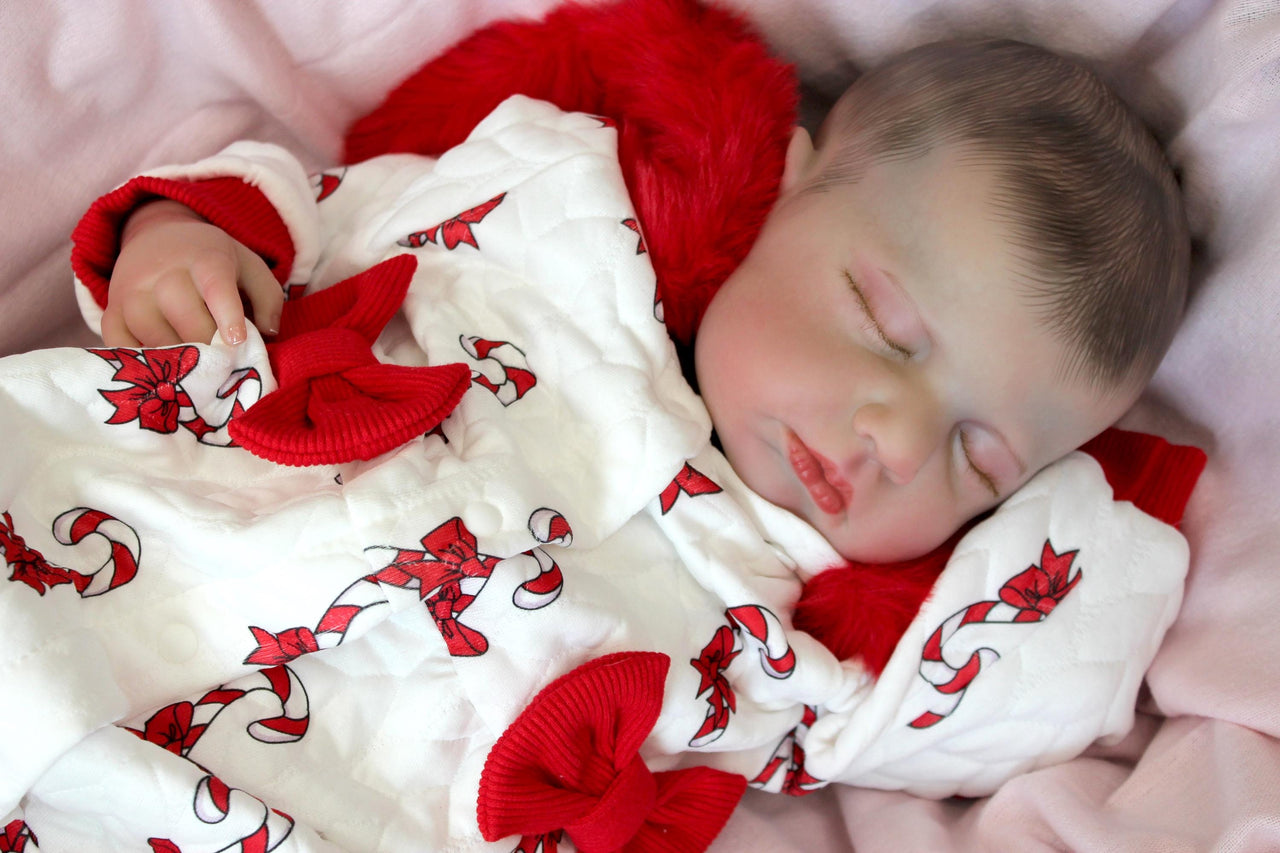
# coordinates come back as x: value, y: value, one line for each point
x: 179, y: 278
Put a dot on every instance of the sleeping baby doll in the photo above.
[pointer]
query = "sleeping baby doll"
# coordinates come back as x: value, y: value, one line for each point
x: 466, y: 464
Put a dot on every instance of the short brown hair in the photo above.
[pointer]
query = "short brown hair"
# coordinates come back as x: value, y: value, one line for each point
x: 1093, y: 203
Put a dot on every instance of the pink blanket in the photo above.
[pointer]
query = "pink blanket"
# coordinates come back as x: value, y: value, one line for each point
x: 97, y: 92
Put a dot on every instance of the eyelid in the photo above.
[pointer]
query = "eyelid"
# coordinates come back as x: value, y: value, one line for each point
x: 986, y: 478
x: 898, y: 349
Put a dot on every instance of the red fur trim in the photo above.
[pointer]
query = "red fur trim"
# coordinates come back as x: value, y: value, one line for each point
x: 704, y: 115
x: 861, y: 610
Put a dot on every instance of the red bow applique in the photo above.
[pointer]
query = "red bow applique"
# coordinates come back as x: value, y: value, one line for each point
x: 336, y: 402
x: 571, y: 762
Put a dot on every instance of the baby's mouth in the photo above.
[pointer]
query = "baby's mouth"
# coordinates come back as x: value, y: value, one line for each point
x: 829, y: 491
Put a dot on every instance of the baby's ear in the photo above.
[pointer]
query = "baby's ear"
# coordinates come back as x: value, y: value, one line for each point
x: 800, y: 155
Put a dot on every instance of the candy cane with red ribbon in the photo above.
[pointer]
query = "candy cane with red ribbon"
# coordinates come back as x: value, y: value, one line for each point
x: 244, y: 388
x: 1028, y: 597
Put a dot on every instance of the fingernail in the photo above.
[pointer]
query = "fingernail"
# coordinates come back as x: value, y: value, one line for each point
x: 236, y: 334
x: 273, y: 325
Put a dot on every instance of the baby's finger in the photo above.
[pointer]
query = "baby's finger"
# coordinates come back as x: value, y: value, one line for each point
x: 114, y: 331
x: 181, y: 304
x: 147, y: 325
x: 214, y: 276
x: 262, y: 289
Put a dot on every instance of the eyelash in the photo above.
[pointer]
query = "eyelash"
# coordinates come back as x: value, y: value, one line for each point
x: 897, y: 348
x: 987, y: 479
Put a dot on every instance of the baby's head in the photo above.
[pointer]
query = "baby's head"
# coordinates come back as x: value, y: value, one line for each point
x: 975, y: 270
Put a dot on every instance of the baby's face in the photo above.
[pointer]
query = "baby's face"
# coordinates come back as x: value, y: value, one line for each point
x: 875, y: 365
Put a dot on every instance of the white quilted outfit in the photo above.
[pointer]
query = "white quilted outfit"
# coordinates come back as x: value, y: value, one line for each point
x: 576, y: 488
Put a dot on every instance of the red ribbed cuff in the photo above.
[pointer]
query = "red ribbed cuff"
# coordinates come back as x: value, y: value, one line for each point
x: 1152, y: 473
x: 236, y: 207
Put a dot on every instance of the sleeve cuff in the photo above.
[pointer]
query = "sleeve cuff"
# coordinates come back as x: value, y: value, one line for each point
x: 1156, y: 476
x: 240, y: 209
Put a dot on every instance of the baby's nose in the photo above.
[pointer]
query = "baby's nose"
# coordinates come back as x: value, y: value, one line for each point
x: 905, y: 433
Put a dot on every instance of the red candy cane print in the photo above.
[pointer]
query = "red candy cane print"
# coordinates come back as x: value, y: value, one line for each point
x: 455, y: 231
x: 548, y: 842
x: 243, y: 388
x: 542, y: 590
x: 776, y: 656
x: 17, y: 837
x: 796, y: 781
x: 178, y: 727
x: 29, y: 566
x: 748, y: 623
x: 448, y: 575
x: 156, y: 400
x: 689, y: 481
x: 294, y: 717
x: 214, y: 800
x: 325, y: 184
x: 121, y: 565
x: 515, y: 377
x: 717, y: 654
x: 1027, y: 597
x: 550, y: 528
x: 335, y: 622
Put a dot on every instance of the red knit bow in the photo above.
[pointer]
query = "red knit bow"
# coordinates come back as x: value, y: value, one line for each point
x: 570, y: 762
x: 336, y: 402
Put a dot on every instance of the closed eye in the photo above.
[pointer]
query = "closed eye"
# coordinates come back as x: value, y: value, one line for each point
x: 987, y: 479
x: 873, y: 324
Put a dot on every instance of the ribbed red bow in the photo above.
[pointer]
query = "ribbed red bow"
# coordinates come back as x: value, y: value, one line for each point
x: 336, y: 402
x: 570, y: 762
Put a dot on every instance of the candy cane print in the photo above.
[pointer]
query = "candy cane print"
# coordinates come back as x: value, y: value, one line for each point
x: 180, y: 726
x: 550, y: 527
x: 72, y: 526
x: 295, y: 714
x: 283, y: 646
x: 336, y: 621
x: 154, y: 396
x: 213, y: 802
x: 244, y: 387
x: 1027, y: 597
x: 548, y: 842
x: 15, y: 837
x: 951, y: 682
x: 542, y: 590
x: 776, y: 656
x: 716, y: 656
x: 516, y: 377
x: 796, y: 781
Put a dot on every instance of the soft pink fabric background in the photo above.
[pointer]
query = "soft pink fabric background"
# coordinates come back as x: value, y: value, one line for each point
x: 95, y: 92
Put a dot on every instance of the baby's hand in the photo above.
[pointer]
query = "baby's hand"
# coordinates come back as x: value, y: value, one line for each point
x: 178, y: 279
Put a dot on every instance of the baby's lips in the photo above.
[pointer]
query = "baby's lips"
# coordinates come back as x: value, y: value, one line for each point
x: 811, y: 470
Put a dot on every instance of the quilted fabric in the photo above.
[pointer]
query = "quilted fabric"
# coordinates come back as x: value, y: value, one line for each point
x: 200, y: 638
